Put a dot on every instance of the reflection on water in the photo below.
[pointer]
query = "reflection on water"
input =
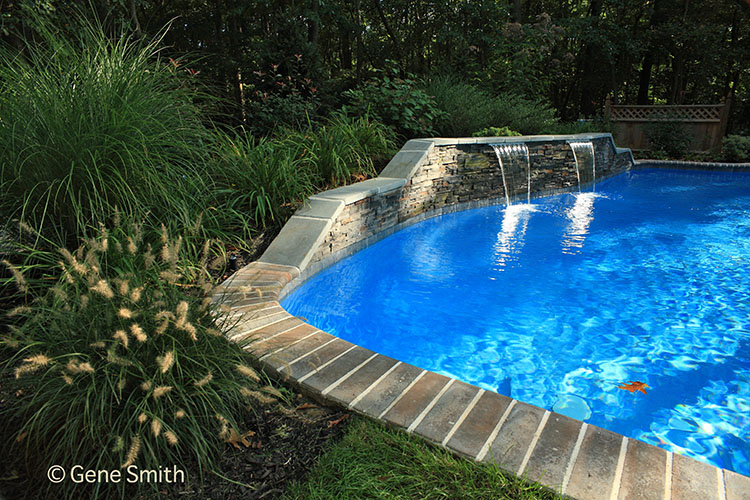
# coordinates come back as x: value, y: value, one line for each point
x: 580, y: 216
x: 510, y: 238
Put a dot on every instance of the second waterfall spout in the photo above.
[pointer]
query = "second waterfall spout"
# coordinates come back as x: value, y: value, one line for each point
x: 514, y: 164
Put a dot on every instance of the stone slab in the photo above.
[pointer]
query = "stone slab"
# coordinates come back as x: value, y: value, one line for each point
x: 737, y: 486
x: 285, y: 336
x: 250, y: 324
x: 251, y: 301
x: 419, y: 145
x: 387, y: 390
x: 550, y: 458
x: 259, y: 335
x: 312, y: 361
x: 595, y: 466
x: 692, y: 479
x: 297, y: 242
x: 416, y: 399
x: 360, y: 190
x: 321, y: 208
x: 283, y: 357
x: 337, y: 369
x: 404, y: 164
x: 644, y: 472
x: 446, y: 412
x: 479, y: 424
x: 510, y: 446
x: 363, y: 378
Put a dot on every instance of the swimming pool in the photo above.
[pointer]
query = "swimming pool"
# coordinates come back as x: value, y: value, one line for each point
x: 558, y: 302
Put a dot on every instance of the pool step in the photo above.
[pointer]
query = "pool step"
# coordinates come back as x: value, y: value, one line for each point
x: 581, y: 461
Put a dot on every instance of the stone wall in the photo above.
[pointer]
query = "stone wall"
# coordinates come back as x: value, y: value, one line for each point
x: 456, y: 174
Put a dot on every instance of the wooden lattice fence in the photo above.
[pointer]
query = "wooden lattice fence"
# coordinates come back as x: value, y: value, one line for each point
x: 705, y: 124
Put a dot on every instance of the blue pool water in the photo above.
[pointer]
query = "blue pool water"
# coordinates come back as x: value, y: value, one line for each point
x: 558, y: 302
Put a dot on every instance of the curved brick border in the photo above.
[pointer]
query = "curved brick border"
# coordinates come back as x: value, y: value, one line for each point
x: 580, y: 460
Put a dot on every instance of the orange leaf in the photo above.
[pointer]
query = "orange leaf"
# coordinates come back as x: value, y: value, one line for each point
x: 634, y: 386
x: 331, y: 423
x: 306, y: 406
x: 235, y: 439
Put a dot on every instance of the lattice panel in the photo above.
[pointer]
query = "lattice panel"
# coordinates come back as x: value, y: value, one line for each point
x: 704, y: 113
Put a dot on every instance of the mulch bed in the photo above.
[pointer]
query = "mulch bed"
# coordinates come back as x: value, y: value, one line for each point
x: 286, y: 440
x: 287, y: 443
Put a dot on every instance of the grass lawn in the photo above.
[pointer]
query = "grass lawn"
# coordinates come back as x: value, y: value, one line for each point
x: 375, y: 461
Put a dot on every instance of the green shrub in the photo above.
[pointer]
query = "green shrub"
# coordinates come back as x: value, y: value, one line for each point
x: 668, y: 138
x: 495, y: 132
x: 519, y: 113
x: 735, y: 148
x: 396, y: 102
x: 582, y: 127
x: 464, y: 107
x: 122, y: 363
x: 89, y: 123
x: 276, y: 111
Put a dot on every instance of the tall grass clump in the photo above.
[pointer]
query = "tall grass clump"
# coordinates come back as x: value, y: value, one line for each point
x: 342, y: 148
x: 89, y: 123
x: 261, y: 178
x: 121, y: 363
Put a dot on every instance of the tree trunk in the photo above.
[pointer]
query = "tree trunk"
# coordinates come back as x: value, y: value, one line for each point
x: 516, y: 11
x: 658, y: 17
x: 134, y: 18
x: 396, y: 42
x: 590, y: 67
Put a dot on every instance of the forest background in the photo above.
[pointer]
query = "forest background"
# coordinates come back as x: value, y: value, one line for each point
x: 285, y: 62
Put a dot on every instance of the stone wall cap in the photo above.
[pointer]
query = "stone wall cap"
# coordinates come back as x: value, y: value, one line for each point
x: 404, y: 164
x: 297, y: 242
x: 355, y: 192
x: 321, y: 208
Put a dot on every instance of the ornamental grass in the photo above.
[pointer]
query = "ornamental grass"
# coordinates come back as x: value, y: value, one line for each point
x: 120, y: 361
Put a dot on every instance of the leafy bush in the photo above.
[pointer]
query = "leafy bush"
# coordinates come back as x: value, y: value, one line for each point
x: 282, y: 100
x: 495, y: 132
x: 527, y: 116
x: 396, y: 102
x: 582, y: 127
x: 122, y: 363
x: 668, y: 138
x: 464, y: 107
x: 735, y: 148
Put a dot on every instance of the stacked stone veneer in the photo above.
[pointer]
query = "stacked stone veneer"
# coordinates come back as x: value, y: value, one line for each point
x: 430, y: 177
x: 459, y: 176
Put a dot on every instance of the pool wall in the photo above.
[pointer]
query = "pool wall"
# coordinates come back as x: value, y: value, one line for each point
x: 426, y: 178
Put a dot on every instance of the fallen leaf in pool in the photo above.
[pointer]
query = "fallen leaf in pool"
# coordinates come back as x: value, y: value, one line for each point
x: 634, y: 386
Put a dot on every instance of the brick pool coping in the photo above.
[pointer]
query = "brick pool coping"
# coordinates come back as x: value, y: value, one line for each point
x: 571, y: 457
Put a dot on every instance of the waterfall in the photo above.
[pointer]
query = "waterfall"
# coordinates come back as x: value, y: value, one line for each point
x: 583, y: 153
x: 508, y: 155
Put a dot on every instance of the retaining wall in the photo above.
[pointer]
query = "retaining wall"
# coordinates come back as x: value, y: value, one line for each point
x: 430, y: 177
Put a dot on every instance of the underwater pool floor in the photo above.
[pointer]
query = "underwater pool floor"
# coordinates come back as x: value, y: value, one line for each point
x: 579, y: 459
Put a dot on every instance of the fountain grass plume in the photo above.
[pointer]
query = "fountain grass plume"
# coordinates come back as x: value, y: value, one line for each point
x: 84, y: 373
